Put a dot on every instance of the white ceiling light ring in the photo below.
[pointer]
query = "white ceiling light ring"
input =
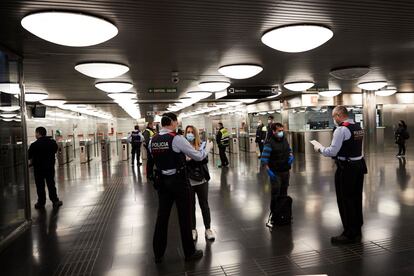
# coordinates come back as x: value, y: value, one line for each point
x: 240, y: 71
x: 114, y: 86
x: 101, y: 70
x: 350, y: 72
x: 53, y: 103
x: 8, y: 115
x: 330, y: 93
x: 386, y: 92
x: 372, y: 85
x: 298, y: 86
x: 214, y: 86
x: 35, y: 96
x: 9, y: 108
x: 10, y: 88
x: 297, y: 38
x: 122, y: 96
x: 72, y: 29
x: 199, y: 94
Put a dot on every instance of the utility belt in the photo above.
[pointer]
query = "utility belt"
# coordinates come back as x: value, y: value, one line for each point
x: 350, y: 161
x: 159, y: 177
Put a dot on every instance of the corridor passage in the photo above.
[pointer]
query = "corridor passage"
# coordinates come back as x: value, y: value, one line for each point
x: 106, y: 223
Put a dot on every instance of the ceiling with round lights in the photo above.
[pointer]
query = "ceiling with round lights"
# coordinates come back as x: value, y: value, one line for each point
x: 114, y: 87
x: 299, y: 85
x: 214, y: 86
x: 102, y: 70
x: 199, y: 48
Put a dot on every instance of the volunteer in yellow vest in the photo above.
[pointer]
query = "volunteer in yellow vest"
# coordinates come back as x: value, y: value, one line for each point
x: 148, y: 134
x: 223, y: 141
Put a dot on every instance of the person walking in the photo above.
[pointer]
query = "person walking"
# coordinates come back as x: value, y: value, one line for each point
x: 169, y: 151
x: 223, y: 141
x: 346, y: 148
x: 148, y: 134
x: 269, y: 134
x: 401, y: 135
x: 135, y: 138
x: 199, y: 176
x: 260, y: 136
x: 42, y: 156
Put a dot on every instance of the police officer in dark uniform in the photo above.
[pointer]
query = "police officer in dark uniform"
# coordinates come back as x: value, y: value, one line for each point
x: 148, y: 134
x: 171, y: 181
x: 42, y: 157
x: 136, y: 138
x: 346, y: 148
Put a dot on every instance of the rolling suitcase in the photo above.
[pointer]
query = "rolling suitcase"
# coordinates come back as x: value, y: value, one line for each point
x: 280, y: 211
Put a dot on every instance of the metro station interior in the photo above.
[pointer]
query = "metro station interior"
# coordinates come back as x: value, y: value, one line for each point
x: 90, y: 71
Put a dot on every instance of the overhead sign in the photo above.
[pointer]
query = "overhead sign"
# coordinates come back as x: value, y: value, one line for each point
x: 251, y: 92
x: 153, y: 113
x: 163, y: 90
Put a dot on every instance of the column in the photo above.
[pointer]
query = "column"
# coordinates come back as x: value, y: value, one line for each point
x: 370, y: 125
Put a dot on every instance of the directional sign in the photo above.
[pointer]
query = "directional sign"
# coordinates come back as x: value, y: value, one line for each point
x: 163, y: 90
x: 252, y: 92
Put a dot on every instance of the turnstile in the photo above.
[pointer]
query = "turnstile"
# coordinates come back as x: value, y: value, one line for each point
x: 61, y: 153
x: 251, y: 146
x: 234, y: 145
x: 69, y: 151
x: 85, y: 151
x: 105, y: 150
x: 124, y: 149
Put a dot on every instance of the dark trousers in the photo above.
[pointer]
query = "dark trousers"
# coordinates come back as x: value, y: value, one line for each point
x: 202, y: 195
x: 349, y: 180
x: 173, y: 189
x: 261, y: 145
x: 279, y: 186
x: 401, y: 148
x: 136, y: 150
x: 223, y: 157
x: 48, y: 175
x: 150, y: 164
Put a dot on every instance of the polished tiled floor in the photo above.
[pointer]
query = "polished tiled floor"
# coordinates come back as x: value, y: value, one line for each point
x: 106, y: 223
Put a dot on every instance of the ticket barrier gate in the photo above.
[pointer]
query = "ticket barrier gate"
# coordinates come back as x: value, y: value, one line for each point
x: 69, y: 151
x: 85, y: 151
x: 61, y: 153
x: 124, y: 149
x: 234, y: 145
x: 105, y: 150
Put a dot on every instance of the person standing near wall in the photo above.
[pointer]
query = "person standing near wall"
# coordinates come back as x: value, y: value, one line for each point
x: 401, y: 135
x: 269, y: 134
x: 148, y: 134
x: 260, y: 136
x: 42, y: 156
x: 136, y: 139
x: 223, y: 141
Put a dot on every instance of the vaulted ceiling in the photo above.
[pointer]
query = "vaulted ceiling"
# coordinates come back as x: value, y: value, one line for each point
x: 196, y: 37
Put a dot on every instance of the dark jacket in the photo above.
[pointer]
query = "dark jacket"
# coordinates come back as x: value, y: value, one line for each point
x: 42, y: 153
x: 269, y: 133
x: 401, y: 135
x: 198, y: 167
x: 276, y: 154
x: 260, y: 134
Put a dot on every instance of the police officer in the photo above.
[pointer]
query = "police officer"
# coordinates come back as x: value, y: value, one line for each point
x: 136, y: 139
x: 42, y: 157
x: 346, y: 148
x: 223, y: 141
x: 148, y: 134
x: 269, y: 134
x: 169, y: 150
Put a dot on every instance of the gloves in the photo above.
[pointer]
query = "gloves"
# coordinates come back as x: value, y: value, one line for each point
x: 291, y: 159
x: 271, y: 174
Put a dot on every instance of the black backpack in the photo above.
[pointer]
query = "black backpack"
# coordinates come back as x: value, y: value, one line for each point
x: 280, y: 211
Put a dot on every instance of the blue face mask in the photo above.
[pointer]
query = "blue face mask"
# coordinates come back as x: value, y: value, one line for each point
x: 190, y: 137
x: 279, y: 134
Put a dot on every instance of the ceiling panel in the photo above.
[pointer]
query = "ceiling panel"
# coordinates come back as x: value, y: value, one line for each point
x: 196, y: 37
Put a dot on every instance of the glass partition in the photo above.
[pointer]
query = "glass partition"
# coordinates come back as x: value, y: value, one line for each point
x: 14, y: 210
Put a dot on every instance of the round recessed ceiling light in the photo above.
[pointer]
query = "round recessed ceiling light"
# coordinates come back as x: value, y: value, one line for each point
x: 329, y: 93
x: 9, y: 108
x: 114, y: 86
x: 10, y: 88
x: 35, y: 96
x: 69, y: 28
x: 240, y: 71
x: 102, y: 70
x: 199, y: 94
x: 298, y: 85
x: 386, y: 92
x: 372, y: 85
x: 8, y: 115
x: 214, y: 86
x: 53, y: 102
x: 297, y: 38
x: 349, y: 73
x: 122, y: 96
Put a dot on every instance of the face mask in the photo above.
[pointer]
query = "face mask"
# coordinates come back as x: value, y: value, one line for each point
x: 279, y: 134
x: 190, y: 137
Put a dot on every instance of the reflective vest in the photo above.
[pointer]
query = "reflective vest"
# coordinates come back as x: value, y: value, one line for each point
x: 225, y: 137
x: 353, y: 146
